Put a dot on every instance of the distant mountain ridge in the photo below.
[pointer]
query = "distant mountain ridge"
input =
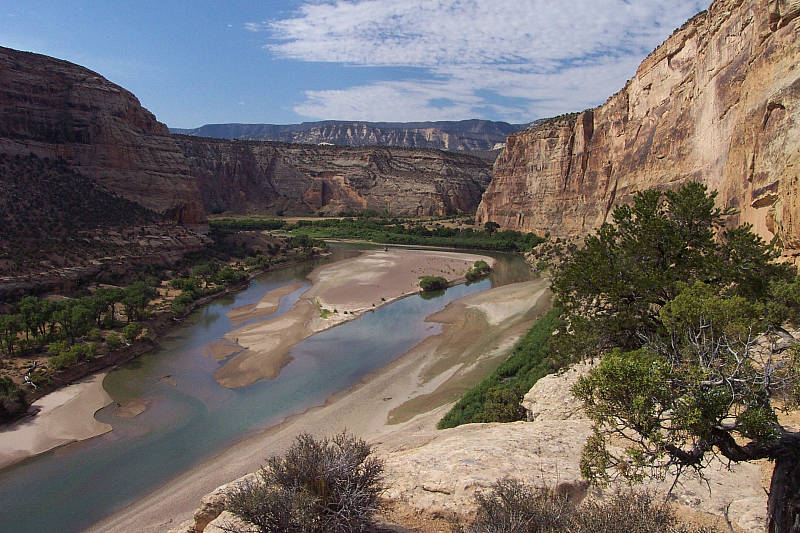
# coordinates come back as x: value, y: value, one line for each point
x: 462, y: 136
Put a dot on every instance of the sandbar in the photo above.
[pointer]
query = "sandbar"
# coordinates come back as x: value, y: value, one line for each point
x: 66, y: 415
x: 267, y: 305
x: 340, y: 291
x: 365, y: 410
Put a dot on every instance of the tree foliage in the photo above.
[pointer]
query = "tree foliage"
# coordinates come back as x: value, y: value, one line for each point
x: 687, y: 316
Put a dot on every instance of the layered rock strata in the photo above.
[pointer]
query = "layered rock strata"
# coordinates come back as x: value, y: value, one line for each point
x: 241, y: 176
x: 56, y: 109
x: 462, y: 135
x: 718, y: 102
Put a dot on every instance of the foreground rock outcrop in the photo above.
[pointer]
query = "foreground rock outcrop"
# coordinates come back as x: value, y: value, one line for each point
x: 444, y: 473
x: 717, y: 102
x: 439, y: 472
x: 242, y: 176
x: 56, y: 109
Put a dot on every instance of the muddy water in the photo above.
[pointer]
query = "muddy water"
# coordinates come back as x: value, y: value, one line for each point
x: 188, y: 417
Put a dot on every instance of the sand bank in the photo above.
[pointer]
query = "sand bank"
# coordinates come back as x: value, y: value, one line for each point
x: 395, y: 407
x: 66, y: 415
x: 340, y: 291
x: 267, y: 305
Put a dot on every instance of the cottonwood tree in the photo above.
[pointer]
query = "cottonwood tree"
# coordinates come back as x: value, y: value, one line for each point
x: 694, y: 361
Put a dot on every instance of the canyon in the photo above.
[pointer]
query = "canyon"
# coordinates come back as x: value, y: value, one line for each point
x: 718, y: 102
x: 83, y: 157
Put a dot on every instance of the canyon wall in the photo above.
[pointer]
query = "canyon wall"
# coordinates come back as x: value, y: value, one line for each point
x: 242, y: 177
x: 462, y: 135
x: 718, y: 102
x: 56, y: 109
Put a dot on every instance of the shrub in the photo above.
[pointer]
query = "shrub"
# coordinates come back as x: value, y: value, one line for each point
x: 181, y: 302
x: 131, y: 331
x: 328, y: 485
x: 113, y: 341
x: 68, y: 357
x: 513, y: 507
x: 11, y: 399
x: 432, y: 283
x: 478, y: 270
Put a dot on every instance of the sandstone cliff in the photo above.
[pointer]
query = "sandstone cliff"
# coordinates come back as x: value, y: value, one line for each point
x: 462, y: 135
x: 241, y: 176
x: 56, y: 109
x: 717, y: 102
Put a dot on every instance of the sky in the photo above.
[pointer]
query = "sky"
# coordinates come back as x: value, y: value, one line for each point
x: 202, y: 62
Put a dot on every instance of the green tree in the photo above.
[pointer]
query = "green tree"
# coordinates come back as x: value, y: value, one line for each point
x: 705, y: 387
x: 491, y: 227
x: 10, y: 328
x: 34, y: 316
x: 686, y: 315
x: 75, y: 320
x: 135, y: 300
x: 107, y: 298
x: 629, y: 269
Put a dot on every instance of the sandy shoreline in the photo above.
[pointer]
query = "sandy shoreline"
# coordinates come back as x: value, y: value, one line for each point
x: 414, y: 390
x: 64, y: 416
x: 340, y: 291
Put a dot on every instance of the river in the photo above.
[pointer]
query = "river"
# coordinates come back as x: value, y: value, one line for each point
x: 189, y: 417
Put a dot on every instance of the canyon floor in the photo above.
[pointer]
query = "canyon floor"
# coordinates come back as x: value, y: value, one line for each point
x: 401, y: 401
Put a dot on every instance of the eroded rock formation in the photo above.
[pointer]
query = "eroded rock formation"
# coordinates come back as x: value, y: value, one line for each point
x: 242, y: 176
x: 56, y: 109
x: 462, y: 135
x: 717, y: 102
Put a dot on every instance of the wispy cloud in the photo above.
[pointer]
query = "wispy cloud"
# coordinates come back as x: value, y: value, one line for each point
x: 518, y: 60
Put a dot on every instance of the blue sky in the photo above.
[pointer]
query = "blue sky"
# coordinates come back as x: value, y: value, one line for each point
x: 200, y: 62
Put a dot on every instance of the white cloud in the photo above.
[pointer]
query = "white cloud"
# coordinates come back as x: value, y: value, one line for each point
x: 540, y: 57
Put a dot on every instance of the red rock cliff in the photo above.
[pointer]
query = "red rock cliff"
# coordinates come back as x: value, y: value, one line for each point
x: 717, y: 102
x: 54, y: 108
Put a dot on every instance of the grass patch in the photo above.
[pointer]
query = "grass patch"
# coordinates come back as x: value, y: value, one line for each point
x: 497, y: 398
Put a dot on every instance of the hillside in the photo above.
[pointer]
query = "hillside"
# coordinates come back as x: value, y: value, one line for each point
x: 717, y: 102
x: 60, y: 227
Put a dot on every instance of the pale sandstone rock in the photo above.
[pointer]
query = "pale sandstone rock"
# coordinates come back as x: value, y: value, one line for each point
x: 717, y: 102
x: 226, y: 522
x: 442, y: 473
x: 187, y: 526
x: 551, y: 397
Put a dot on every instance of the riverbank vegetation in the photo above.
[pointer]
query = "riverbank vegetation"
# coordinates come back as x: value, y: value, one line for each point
x: 497, y: 398
x: 45, y: 341
x: 384, y: 229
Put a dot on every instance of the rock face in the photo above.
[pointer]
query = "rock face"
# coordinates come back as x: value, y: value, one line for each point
x: 56, y: 109
x: 443, y: 473
x: 463, y: 135
x: 717, y: 102
x: 240, y: 176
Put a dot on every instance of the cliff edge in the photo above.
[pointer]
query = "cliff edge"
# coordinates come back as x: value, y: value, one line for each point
x: 718, y: 102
